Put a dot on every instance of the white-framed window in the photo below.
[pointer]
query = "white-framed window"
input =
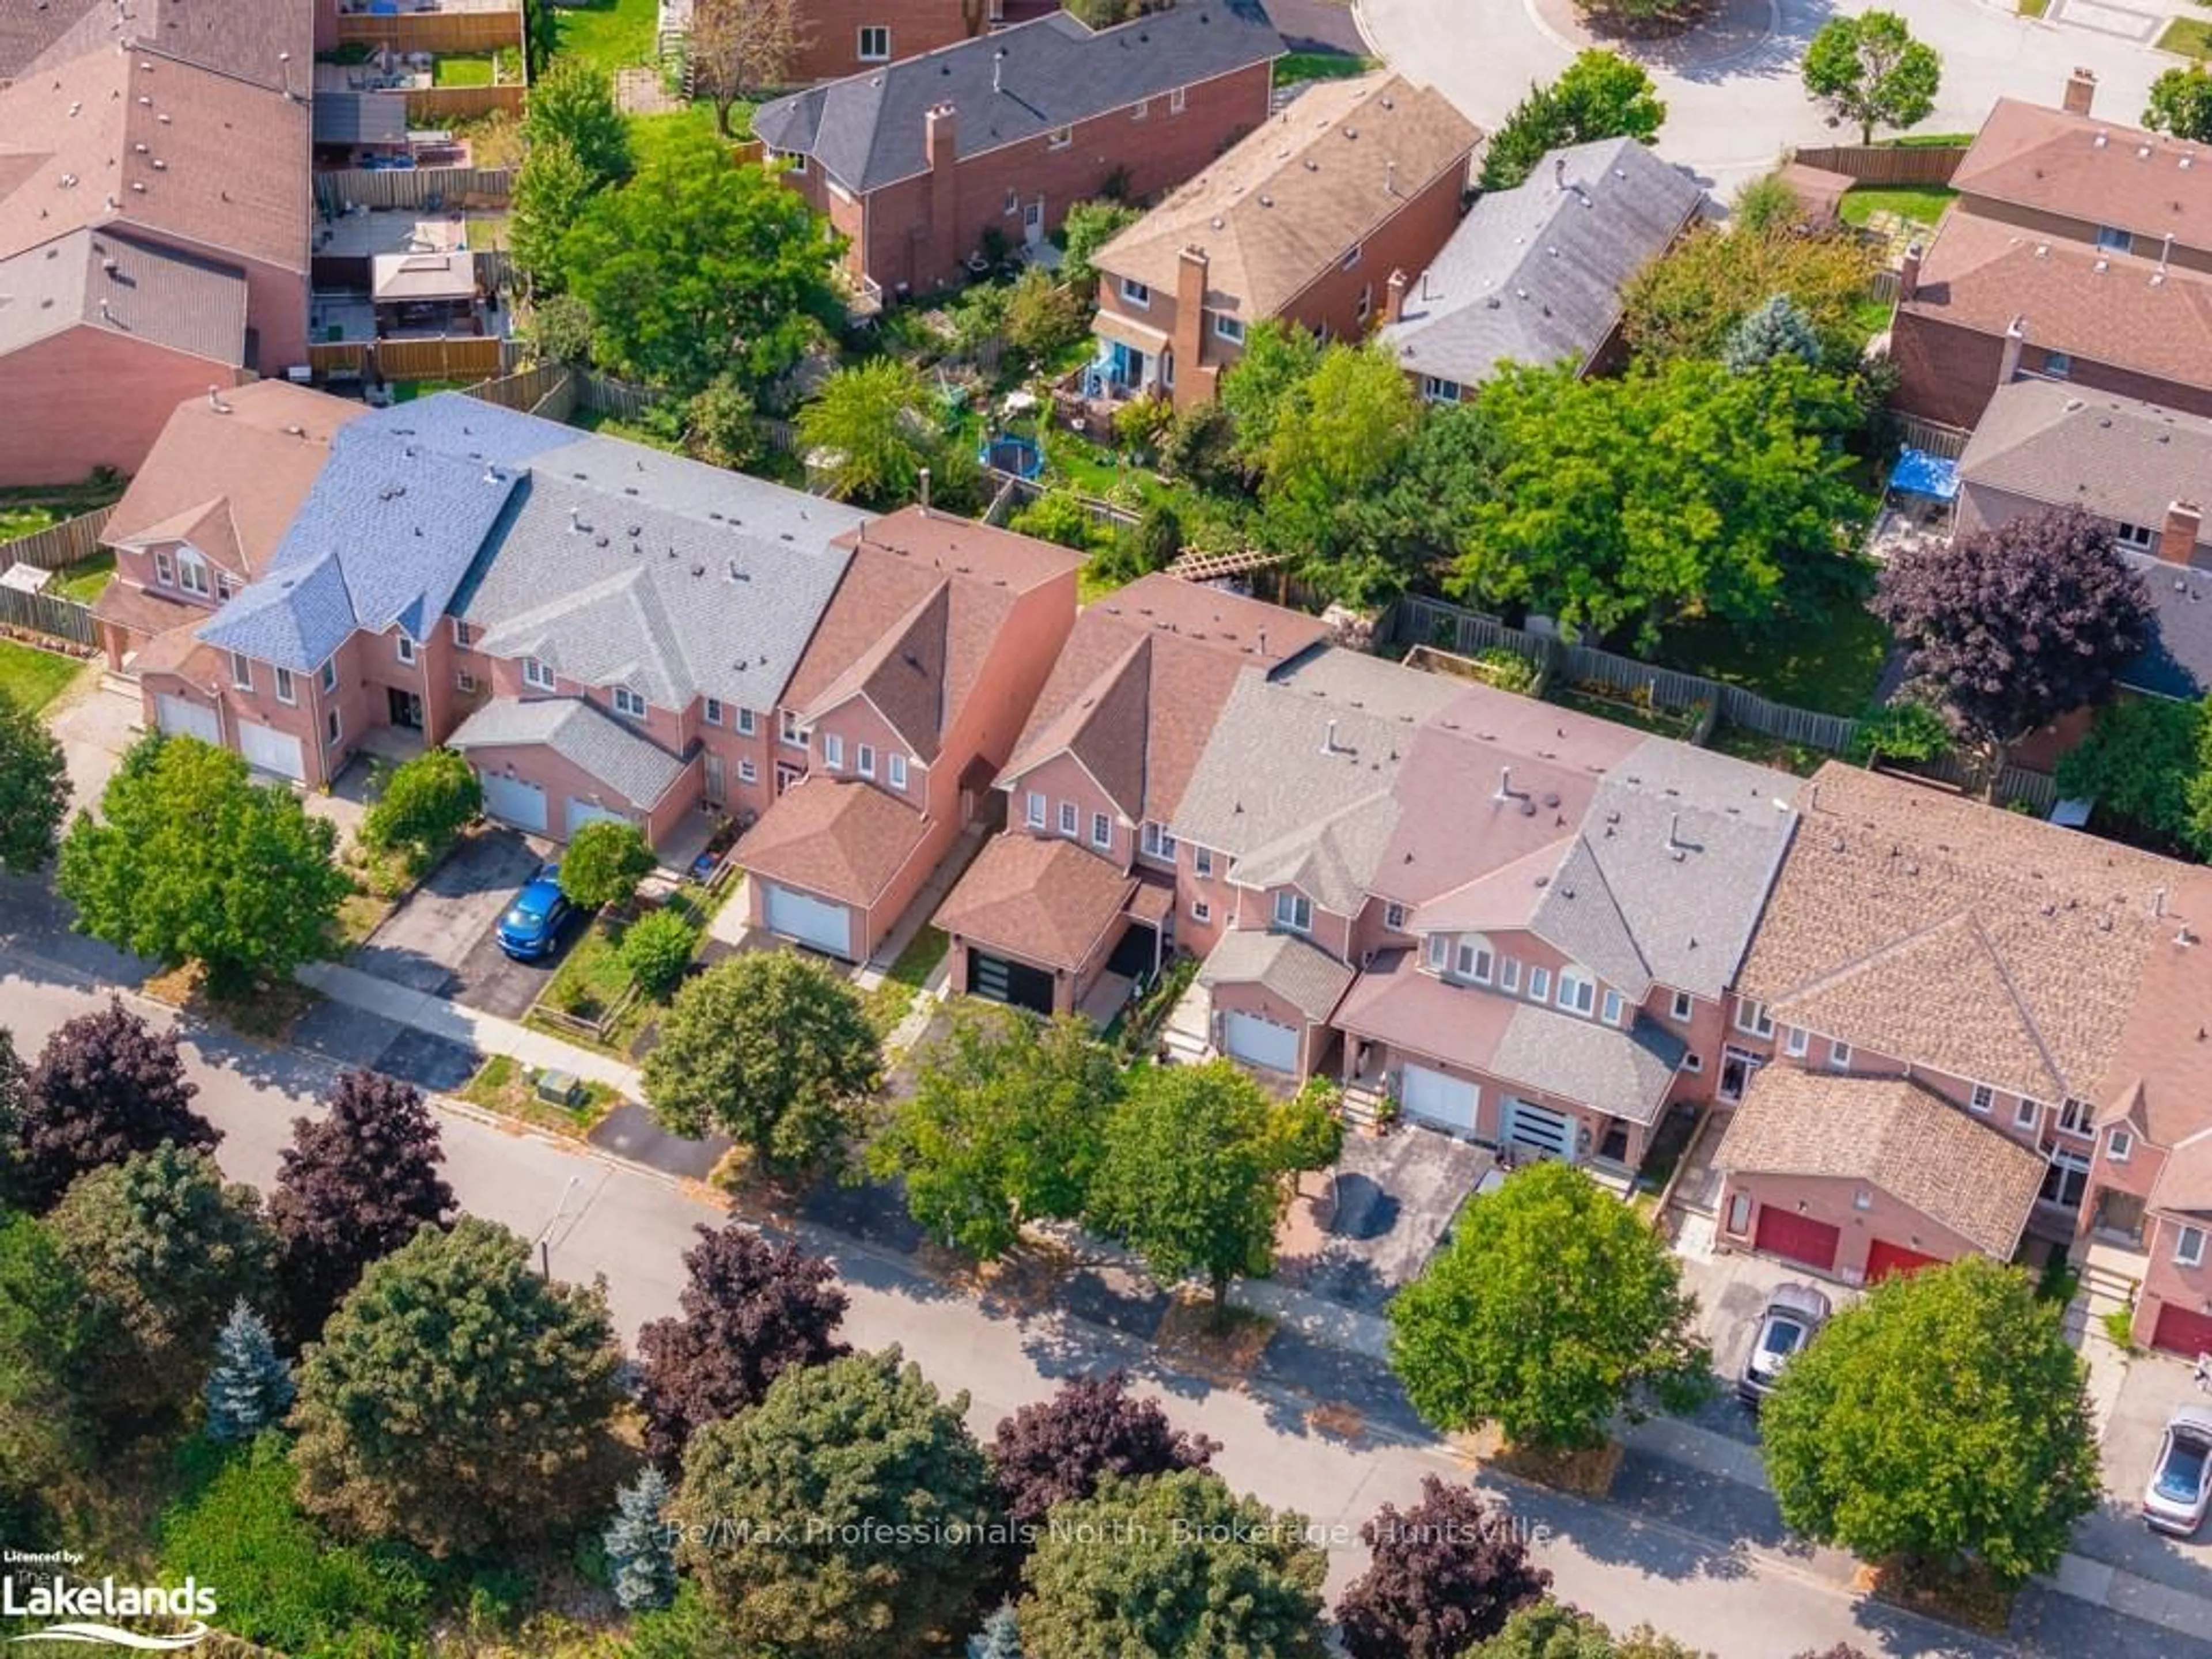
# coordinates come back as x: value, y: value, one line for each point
x: 2189, y: 1246
x: 789, y: 732
x: 1228, y: 328
x: 225, y: 589
x: 242, y: 672
x: 2057, y: 364
x: 192, y: 573
x: 1982, y: 1099
x: 1752, y: 1017
x: 285, y: 691
x: 165, y: 569
x: 405, y: 646
x: 2119, y: 1145
x: 1475, y: 961
x: 1137, y: 293
x: 1059, y: 138
x: 1795, y: 1041
x: 464, y: 635
x: 1366, y: 306
x: 1577, y: 990
x: 1682, y: 1008
x: 748, y: 772
x: 794, y: 161
x: 2141, y: 538
x: 1200, y: 910
x: 748, y: 722
x: 332, y: 729
x: 627, y: 702
x: 2113, y: 239
x: 1293, y: 910
x: 714, y: 711
x: 536, y: 675
x: 329, y: 675
x: 1069, y: 817
x: 1141, y: 109
x: 2027, y: 1114
x: 1393, y: 917
x: 1158, y: 844
x: 1352, y: 257
x: 1435, y: 389
x: 2073, y: 1117
x: 1694, y: 1062
x: 1439, y: 950
x: 1739, y: 1215
x: 1101, y: 830
x: 464, y: 681
x: 895, y: 771
x: 1033, y: 812
x: 1509, y: 974
x: 864, y: 756
x: 1178, y: 99
x: 1539, y: 983
x: 875, y: 44
x: 1613, y: 1007
x: 833, y: 751
x: 1201, y: 861
x: 1839, y: 1055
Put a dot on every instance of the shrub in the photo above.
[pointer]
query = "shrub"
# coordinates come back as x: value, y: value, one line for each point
x: 426, y: 801
x: 1508, y: 671
x: 656, y: 949
x: 605, y: 860
x: 1042, y: 318
x: 1058, y: 515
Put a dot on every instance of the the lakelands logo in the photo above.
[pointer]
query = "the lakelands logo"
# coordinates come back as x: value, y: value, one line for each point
x: 77, y: 1611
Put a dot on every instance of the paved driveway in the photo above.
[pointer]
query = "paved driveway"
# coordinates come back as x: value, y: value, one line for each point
x: 1732, y: 1290
x: 2154, y: 1386
x: 439, y: 940
x: 1356, y: 1234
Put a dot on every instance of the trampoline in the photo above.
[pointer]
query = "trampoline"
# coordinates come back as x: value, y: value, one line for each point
x: 1006, y: 451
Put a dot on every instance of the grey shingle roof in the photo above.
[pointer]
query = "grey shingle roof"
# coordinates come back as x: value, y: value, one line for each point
x: 594, y: 742
x: 1302, y: 975
x: 1010, y: 85
x: 360, y: 118
x: 2177, y: 663
x: 1533, y: 273
x: 1626, y: 1074
x: 2066, y: 446
x: 155, y: 295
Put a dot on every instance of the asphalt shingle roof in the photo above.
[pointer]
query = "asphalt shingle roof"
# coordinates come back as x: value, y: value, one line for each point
x: 1045, y: 899
x: 153, y: 294
x: 1628, y: 1074
x: 867, y: 130
x: 1302, y: 975
x: 594, y: 742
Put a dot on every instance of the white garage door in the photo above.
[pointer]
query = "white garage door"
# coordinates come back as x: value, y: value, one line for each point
x: 1438, y: 1099
x: 581, y: 812
x: 512, y: 801
x: 810, y: 921
x: 1534, y: 1129
x: 1259, y: 1042
x: 266, y: 747
x: 184, y: 718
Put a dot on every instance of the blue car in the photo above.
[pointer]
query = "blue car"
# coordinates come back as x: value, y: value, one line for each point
x: 532, y: 926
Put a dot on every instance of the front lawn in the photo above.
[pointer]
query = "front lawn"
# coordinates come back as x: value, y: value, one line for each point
x: 32, y: 677
x: 2189, y: 36
x: 506, y: 1087
x: 1830, y: 666
x: 1924, y: 205
x: 1295, y: 66
x: 610, y: 34
x: 889, y: 1003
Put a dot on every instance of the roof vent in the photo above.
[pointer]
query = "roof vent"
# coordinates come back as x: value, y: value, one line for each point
x: 2099, y: 141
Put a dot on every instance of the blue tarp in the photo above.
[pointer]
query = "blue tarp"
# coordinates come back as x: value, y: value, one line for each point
x: 1919, y: 473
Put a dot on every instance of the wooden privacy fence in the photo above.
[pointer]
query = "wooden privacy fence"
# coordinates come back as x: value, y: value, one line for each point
x: 449, y: 357
x: 43, y: 613
x: 414, y: 187
x: 523, y: 389
x: 1887, y: 164
x: 1416, y: 620
x: 603, y: 395
x: 59, y: 544
x: 433, y: 31
x: 1947, y: 442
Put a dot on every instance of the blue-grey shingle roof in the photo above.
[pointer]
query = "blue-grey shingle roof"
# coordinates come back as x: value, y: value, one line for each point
x: 1010, y: 85
x: 594, y: 742
x: 2177, y: 663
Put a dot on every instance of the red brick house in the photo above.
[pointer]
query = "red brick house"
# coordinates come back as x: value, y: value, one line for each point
x: 1304, y: 220
x: 916, y: 161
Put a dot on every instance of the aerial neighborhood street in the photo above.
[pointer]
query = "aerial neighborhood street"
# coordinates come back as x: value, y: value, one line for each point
x: 1104, y: 827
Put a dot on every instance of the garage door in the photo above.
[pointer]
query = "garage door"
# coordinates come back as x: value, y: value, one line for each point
x: 1438, y: 1099
x: 512, y: 801
x: 183, y: 718
x: 810, y: 921
x: 2181, y: 1331
x: 272, y: 750
x: 1259, y: 1042
x: 1800, y: 1238
x: 1014, y: 983
x: 1538, y: 1130
x: 1885, y: 1258
x: 581, y: 812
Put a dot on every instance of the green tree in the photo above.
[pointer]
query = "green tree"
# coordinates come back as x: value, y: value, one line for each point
x: 1059, y: 516
x: 1902, y: 728
x: 1692, y: 298
x: 1872, y: 72
x: 656, y: 949
x: 1775, y: 331
x: 2181, y: 103
x: 456, y: 1399
x: 560, y: 329
x: 2143, y: 763
x: 191, y: 861
x: 851, y: 1453
x: 871, y: 431
x: 251, y: 1386
x: 1552, y: 1308
x: 47, y: 1347
x: 1088, y: 227
x: 1335, y: 439
x: 427, y: 802
x: 770, y: 1048
x: 1188, y: 1177
x: 34, y: 789
x: 1279, y: 358
x: 702, y: 268
x: 719, y: 428
x: 1624, y: 505
x: 1175, y: 1565
x: 164, y: 1250
x: 1421, y: 518
x: 550, y: 190
x: 605, y: 860
x: 1306, y: 1131
x: 573, y: 103
x: 1600, y: 94
x: 1550, y: 1629
x: 1043, y: 319
x: 1944, y: 1418
x: 1004, y: 1126
x: 1765, y: 205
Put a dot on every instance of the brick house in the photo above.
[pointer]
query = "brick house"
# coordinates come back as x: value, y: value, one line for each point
x: 1304, y: 221
x: 855, y: 36
x: 2070, y: 254
x: 1534, y: 274
x: 914, y: 162
x: 1084, y: 873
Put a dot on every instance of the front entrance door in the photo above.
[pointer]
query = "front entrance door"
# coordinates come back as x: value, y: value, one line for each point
x: 712, y: 789
x: 1033, y: 222
x: 1737, y: 1066
x: 786, y: 774
x: 406, y: 707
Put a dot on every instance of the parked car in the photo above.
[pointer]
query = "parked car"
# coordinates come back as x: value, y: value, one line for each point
x: 1793, y: 1314
x: 532, y: 926
x: 2180, y: 1488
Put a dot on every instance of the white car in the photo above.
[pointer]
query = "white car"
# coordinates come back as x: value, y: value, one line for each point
x: 2180, y: 1488
x: 1795, y: 1314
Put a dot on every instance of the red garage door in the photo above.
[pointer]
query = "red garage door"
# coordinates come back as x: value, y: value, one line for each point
x: 1885, y: 1258
x: 2181, y: 1331
x: 1799, y: 1237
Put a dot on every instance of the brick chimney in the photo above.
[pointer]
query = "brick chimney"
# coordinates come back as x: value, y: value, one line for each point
x: 1394, y: 298
x: 2177, y: 538
x: 2015, y: 337
x: 1191, y: 268
x: 1908, y: 273
x: 2080, y: 91
x: 940, y: 146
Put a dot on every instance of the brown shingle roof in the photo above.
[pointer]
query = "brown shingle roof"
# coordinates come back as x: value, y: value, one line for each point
x: 99, y: 280
x: 1284, y: 206
x: 2165, y: 1051
x: 1892, y: 1133
x: 2184, y: 1184
x: 1042, y: 898
x: 837, y: 837
x: 1976, y: 943
x: 2046, y: 159
x: 241, y: 38
x: 2113, y: 308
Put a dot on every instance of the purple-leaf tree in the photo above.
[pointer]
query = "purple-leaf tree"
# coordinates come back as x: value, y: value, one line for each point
x: 1447, y: 1574
x: 753, y: 1311
x: 2009, y: 629
x: 106, y: 1086
x: 1057, y: 1450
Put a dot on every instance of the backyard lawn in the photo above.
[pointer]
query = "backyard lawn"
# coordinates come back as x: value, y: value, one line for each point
x: 649, y: 134
x: 17, y: 522
x: 610, y: 33
x: 1921, y: 204
x: 85, y: 580
x: 2189, y: 36
x: 462, y: 70
x: 34, y: 678
x: 1832, y: 666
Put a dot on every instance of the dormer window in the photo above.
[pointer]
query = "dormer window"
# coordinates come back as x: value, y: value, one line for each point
x: 192, y: 574
x: 536, y: 675
x: 1293, y: 910
x: 895, y: 771
x: 1474, y: 961
x: 1439, y: 951
x: 165, y: 569
x: 628, y: 703
x: 833, y: 751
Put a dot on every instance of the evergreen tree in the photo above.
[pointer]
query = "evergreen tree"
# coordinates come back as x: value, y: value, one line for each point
x: 1001, y: 1637
x: 250, y: 1388
x: 640, y: 1553
x: 1776, y: 329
